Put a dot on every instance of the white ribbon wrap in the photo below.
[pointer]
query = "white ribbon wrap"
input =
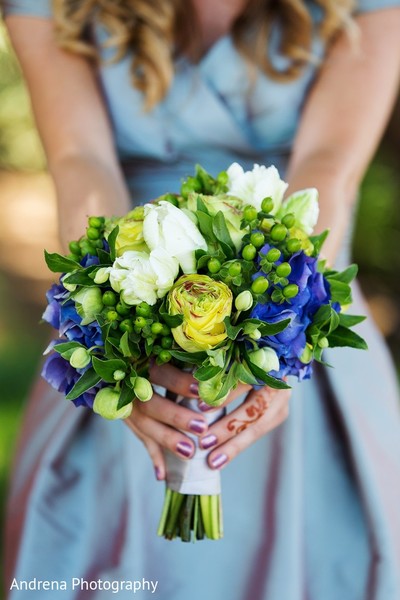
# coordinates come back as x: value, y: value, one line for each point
x: 193, y: 476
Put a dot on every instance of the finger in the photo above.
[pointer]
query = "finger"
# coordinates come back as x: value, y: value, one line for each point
x: 175, y: 380
x: 263, y: 410
x: 154, y: 451
x: 171, y: 413
x: 165, y: 436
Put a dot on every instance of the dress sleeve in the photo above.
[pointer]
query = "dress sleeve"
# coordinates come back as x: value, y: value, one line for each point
x: 370, y: 5
x: 32, y: 8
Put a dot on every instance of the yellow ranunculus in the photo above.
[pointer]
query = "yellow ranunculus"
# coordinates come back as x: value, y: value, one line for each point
x: 204, y: 304
x: 130, y: 234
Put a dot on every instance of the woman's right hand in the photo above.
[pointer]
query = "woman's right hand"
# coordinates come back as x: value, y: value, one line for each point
x: 162, y: 423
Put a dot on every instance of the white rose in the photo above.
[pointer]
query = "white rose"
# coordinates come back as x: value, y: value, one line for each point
x: 166, y: 226
x: 304, y: 205
x: 253, y: 186
x: 141, y: 277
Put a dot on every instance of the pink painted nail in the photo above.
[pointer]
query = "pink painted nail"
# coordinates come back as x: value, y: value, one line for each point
x: 203, y: 406
x: 194, y: 389
x: 197, y: 426
x: 218, y: 461
x: 184, y: 449
x: 157, y: 471
x: 208, y: 441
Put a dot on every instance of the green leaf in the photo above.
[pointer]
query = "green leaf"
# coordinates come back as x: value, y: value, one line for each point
x: 60, y: 264
x: 318, y: 241
x: 66, y: 349
x: 350, y: 320
x: 201, y: 207
x: 345, y: 337
x: 232, y: 330
x: 126, y: 396
x: 206, y: 372
x: 193, y: 358
x: 260, y: 374
x: 171, y: 320
x: 244, y: 374
x: 273, y: 328
x: 340, y: 291
x: 221, y: 232
x: 81, y: 277
x: 124, y: 345
x: 322, y: 316
x: 111, y: 242
x: 345, y: 276
x: 104, y: 257
x: 88, y: 380
x: 206, y: 225
x: 105, y: 368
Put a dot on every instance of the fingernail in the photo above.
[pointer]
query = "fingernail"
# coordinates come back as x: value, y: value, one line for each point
x: 203, y: 406
x: 184, y: 449
x: 157, y: 471
x: 197, y: 426
x: 208, y: 441
x: 194, y: 388
x: 218, y: 460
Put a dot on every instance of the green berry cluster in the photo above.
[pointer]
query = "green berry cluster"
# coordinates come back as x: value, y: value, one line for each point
x: 203, y: 183
x: 90, y: 242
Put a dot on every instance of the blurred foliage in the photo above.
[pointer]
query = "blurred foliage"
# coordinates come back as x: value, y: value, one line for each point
x: 20, y: 147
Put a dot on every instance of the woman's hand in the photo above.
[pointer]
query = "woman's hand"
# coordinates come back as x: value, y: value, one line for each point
x: 161, y: 423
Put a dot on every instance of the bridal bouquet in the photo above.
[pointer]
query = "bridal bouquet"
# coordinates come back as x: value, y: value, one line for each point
x: 223, y: 278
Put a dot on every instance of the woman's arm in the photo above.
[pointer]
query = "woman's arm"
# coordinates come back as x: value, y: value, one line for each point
x: 344, y: 119
x: 73, y: 126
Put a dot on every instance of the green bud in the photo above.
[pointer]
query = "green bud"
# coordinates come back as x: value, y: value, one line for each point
x: 156, y: 328
x: 71, y: 287
x: 164, y: 356
x: 96, y: 222
x: 110, y: 298
x: 223, y: 178
x: 267, y: 224
x: 277, y: 296
x: 249, y: 213
x: 92, y: 233
x: 112, y: 315
x: 293, y: 245
x: 235, y: 269
x: 278, y: 232
x: 283, y: 270
x: 255, y: 335
x: 101, y: 275
x: 171, y: 198
x: 80, y: 358
x: 140, y: 322
x: 142, y: 388
x: 166, y: 342
x: 291, y: 290
x: 323, y: 342
x: 213, y: 265
x: 249, y: 252
x: 289, y: 220
x: 119, y: 375
x: 257, y: 239
x: 143, y: 310
x: 122, y: 309
x: 74, y: 248
x: 265, y: 359
x: 244, y: 301
x: 192, y: 184
x: 126, y: 325
x: 267, y: 205
x: 88, y: 302
x: 306, y: 356
x: 260, y: 285
x: 273, y: 255
x: 106, y: 402
x: 165, y: 329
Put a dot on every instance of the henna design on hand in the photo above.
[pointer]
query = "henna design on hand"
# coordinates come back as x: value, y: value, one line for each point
x: 254, y: 412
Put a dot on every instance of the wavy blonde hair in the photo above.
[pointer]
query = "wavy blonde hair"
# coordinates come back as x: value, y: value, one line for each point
x: 156, y: 31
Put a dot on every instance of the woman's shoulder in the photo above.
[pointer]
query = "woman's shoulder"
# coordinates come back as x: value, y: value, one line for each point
x: 34, y: 8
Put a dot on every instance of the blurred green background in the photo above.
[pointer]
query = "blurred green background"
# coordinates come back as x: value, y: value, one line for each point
x: 27, y: 216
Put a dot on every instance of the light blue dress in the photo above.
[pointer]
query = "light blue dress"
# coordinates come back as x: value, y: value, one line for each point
x: 312, y: 510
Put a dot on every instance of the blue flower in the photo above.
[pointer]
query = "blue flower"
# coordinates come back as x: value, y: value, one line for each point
x: 313, y: 292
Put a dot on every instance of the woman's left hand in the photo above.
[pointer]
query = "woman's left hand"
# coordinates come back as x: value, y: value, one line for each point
x: 262, y: 411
